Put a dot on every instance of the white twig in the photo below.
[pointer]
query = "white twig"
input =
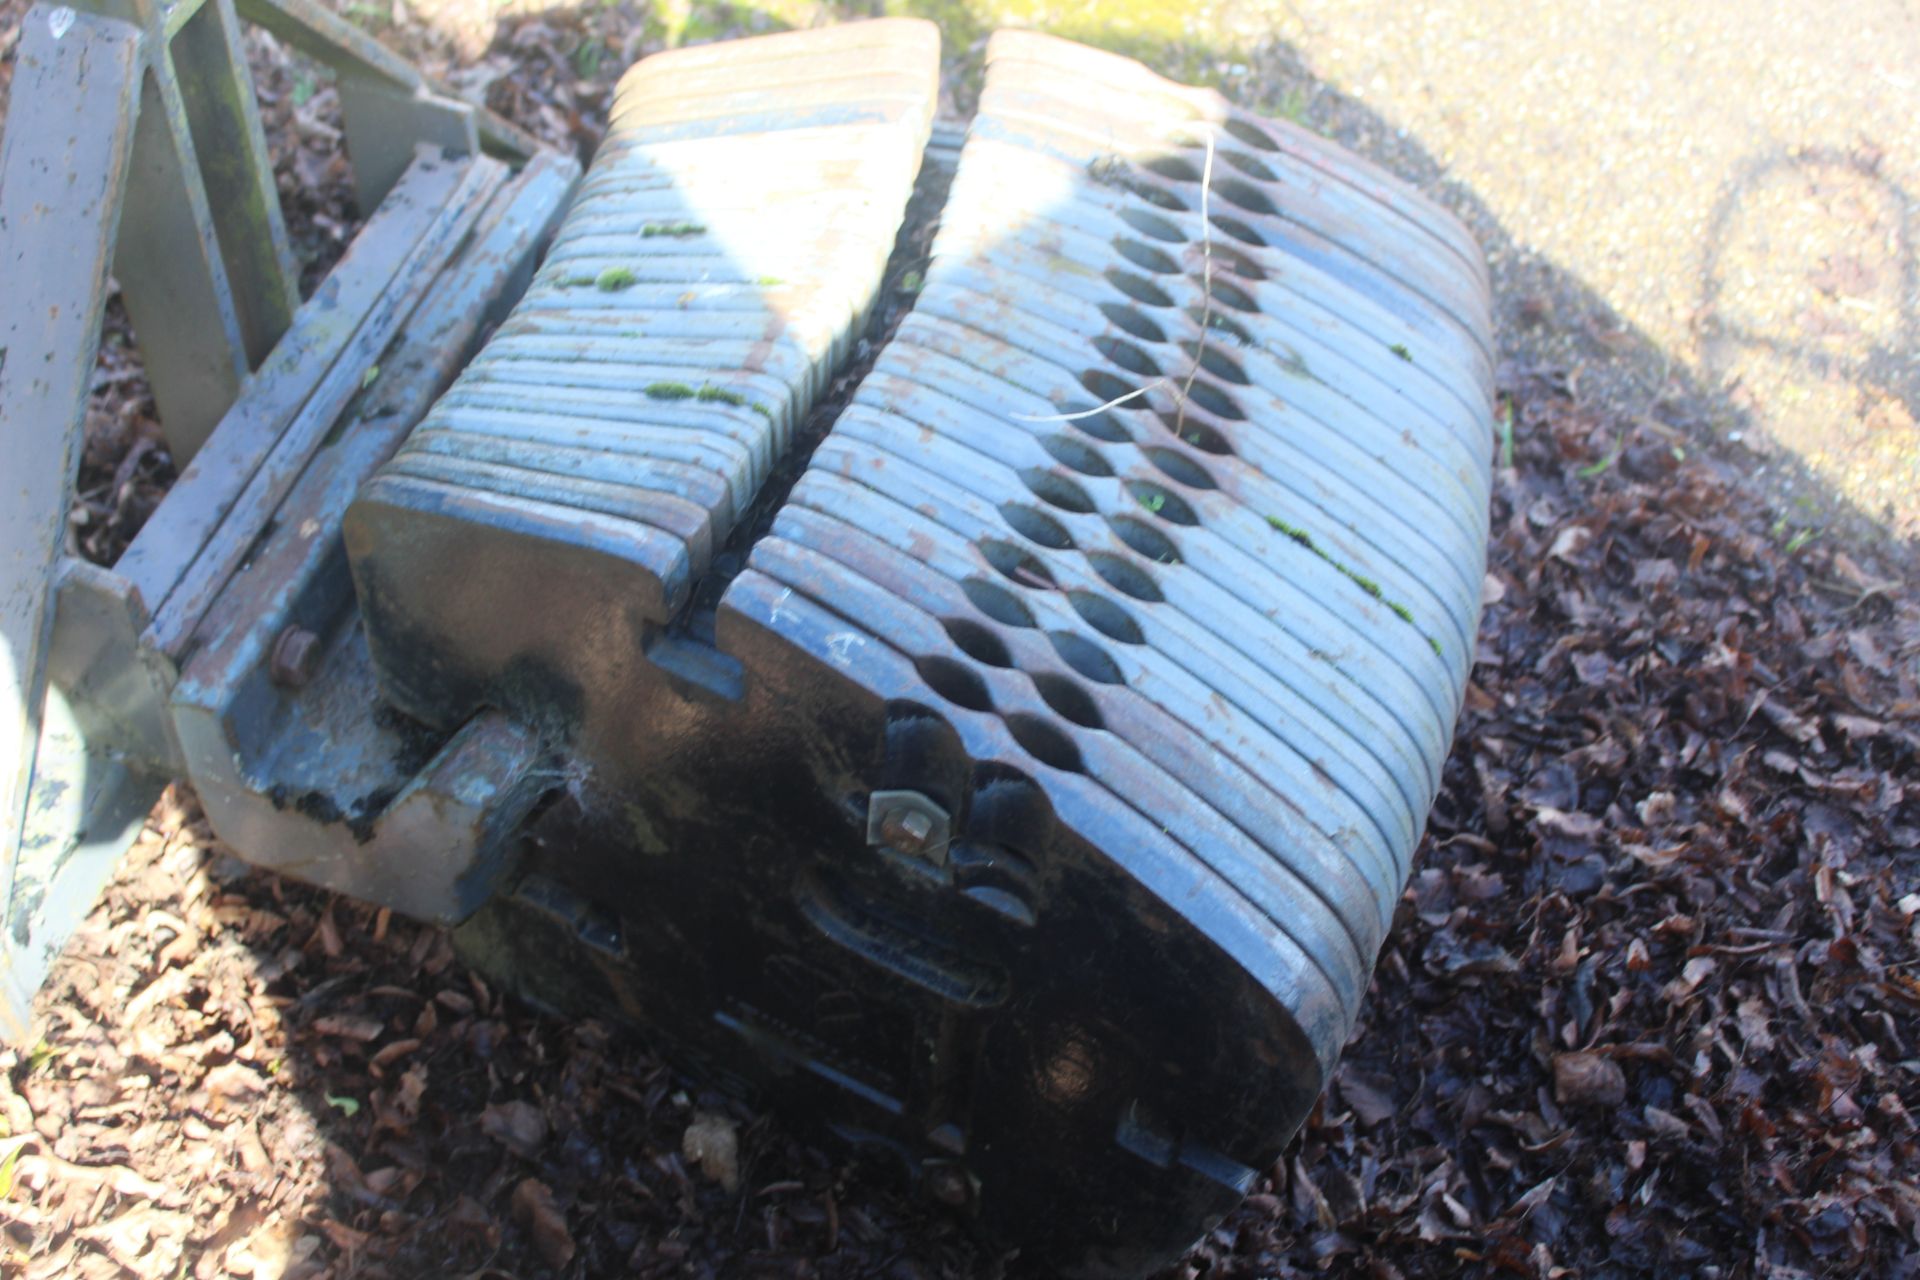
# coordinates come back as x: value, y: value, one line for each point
x: 1206, y: 324
x: 1206, y: 285
x: 1114, y: 403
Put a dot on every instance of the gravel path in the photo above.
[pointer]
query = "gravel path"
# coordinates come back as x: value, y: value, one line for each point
x: 1703, y: 213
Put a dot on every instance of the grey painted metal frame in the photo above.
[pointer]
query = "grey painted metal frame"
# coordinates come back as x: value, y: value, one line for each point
x: 388, y: 104
x: 135, y: 148
x: 61, y: 185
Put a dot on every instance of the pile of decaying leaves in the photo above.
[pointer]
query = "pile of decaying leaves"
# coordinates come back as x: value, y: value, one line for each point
x: 240, y: 1076
x: 1650, y: 1002
x: 1649, y: 1005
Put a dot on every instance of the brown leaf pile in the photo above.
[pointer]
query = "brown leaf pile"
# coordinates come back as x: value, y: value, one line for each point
x: 1649, y: 1005
x: 241, y: 1076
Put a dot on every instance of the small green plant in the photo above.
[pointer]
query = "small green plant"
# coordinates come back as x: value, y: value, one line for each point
x: 1400, y: 349
x: 368, y: 378
x: 1605, y: 464
x: 588, y: 57
x: 614, y: 279
x: 721, y: 395
x: 1153, y: 502
x: 1360, y: 580
x: 10, y: 1148
x: 349, y: 1107
x: 1506, y: 437
x: 1800, y: 539
x: 41, y: 1054
x: 705, y: 393
x: 911, y: 282
x: 1295, y: 532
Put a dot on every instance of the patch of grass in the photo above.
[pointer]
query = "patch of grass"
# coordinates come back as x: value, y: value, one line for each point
x: 1293, y: 105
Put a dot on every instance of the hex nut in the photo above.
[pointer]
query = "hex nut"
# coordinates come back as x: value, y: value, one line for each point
x: 906, y: 830
x: 295, y: 658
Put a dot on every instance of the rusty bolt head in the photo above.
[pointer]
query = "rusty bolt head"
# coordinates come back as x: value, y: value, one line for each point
x: 948, y: 1183
x: 906, y: 830
x: 295, y: 658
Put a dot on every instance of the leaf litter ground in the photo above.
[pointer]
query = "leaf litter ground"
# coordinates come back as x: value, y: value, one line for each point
x: 1649, y: 1005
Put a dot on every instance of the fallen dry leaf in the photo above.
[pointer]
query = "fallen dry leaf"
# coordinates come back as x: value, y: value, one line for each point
x: 1588, y: 1079
x: 713, y: 1143
x: 516, y: 1125
x: 534, y: 1209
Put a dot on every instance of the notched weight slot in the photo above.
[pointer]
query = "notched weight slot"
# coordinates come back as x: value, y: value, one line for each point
x: 898, y: 940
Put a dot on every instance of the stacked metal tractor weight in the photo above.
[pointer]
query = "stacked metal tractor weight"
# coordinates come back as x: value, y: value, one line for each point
x: 1034, y: 804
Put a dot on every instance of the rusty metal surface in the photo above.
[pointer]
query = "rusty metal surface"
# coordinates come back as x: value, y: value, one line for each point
x: 1035, y: 801
x: 134, y: 140
x: 725, y: 244
x: 271, y: 711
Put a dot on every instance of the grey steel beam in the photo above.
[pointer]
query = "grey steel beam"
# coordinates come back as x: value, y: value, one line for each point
x: 330, y: 39
x: 210, y: 69
x: 467, y: 185
x: 63, y: 173
x: 384, y: 121
x: 108, y: 742
x: 172, y: 277
x: 363, y: 286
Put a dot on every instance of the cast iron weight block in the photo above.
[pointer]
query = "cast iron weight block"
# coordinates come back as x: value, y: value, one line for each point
x: 1033, y: 805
